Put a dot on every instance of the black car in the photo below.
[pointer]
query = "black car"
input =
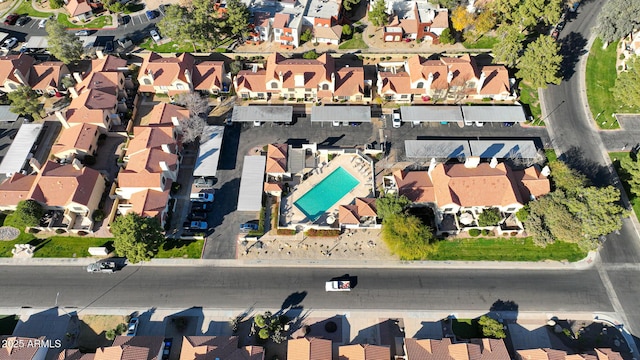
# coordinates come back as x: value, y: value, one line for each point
x: 199, y: 206
x: 198, y: 216
x: 23, y: 20
x: 108, y: 47
x: 122, y: 20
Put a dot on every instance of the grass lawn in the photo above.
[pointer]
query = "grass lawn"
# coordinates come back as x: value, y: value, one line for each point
x: 505, y: 249
x: 97, y: 23
x: 529, y: 98
x: 624, y: 177
x: 7, y: 246
x: 484, y: 42
x: 8, y: 323
x: 355, y: 43
x: 466, y: 328
x: 25, y: 8
x: 169, y: 47
x: 551, y: 155
x: 188, y: 249
x: 68, y: 246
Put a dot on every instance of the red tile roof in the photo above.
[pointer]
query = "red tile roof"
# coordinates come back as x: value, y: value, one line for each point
x: 208, y: 75
x: 47, y: 75
x: 76, y: 137
x: 9, y: 63
x: 309, y: 349
x: 59, y: 185
x: 165, y: 70
x: 17, y: 347
x: 415, y: 185
x: 163, y: 113
x: 349, y: 81
x: 149, y: 203
x: 16, y: 188
x: 277, y: 158
x: 218, y: 347
x: 252, y: 81
x: 145, y: 137
x: 77, y: 7
x: 348, y: 214
x: 364, y: 352
x: 496, y: 80
x: 132, y: 348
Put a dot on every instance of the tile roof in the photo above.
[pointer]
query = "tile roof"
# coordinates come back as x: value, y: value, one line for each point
x: 463, y: 69
x: 76, y: 137
x: 607, y: 354
x: 143, y: 168
x: 74, y: 354
x: 84, y: 115
x: 331, y: 32
x: 94, y: 99
x: 349, y: 81
x: 9, y: 63
x: 309, y: 349
x: 269, y: 187
x: 415, y: 185
x: 441, y: 20
x: 218, y: 347
x: 165, y: 70
x: 364, y: 352
x: 77, y: 7
x: 348, y: 214
x: 132, y: 348
x: 261, y: 18
x: 17, y: 347
x: 47, y: 74
x: 145, y: 137
x: 163, y: 113
x: 16, y: 188
x: 280, y: 20
x: 208, y: 75
x: 149, y: 203
x: 398, y: 83
x: 314, y: 71
x: 366, y: 206
x: 254, y: 81
x: 106, y: 81
x: 541, y: 354
x: 277, y: 158
x: 108, y: 63
x: 532, y: 182
x: 477, y: 349
x: 496, y: 80
x: 59, y: 185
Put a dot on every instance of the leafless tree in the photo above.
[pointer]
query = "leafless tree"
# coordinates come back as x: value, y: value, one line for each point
x: 192, y: 128
x: 195, y: 103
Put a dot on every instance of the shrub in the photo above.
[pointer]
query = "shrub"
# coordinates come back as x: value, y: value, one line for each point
x: 621, y: 57
x: 33, y: 231
x: 489, y: 217
x: 347, y: 30
x: 322, y: 233
x: 474, y: 232
x: 285, y: 232
x: 491, y: 328
x: 60, y: 231
x: 56, y: 4
x: 407, y: 237
x: 446, y: 38
x: 419, y: 40
x: 620, y: 67
x: 82, y: 233
x: 306, y: 35
x: 98, y: 215
x: 523, y: 214
x: 311, y: 54
x: 110, y: 334
x: 121, y: 328
x: 485, y: 232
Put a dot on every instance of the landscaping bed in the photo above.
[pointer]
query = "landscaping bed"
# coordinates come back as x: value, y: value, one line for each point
x: 25, y: 8
x: 97, y: 23
x: 529, y: 98
x: 93, y: 329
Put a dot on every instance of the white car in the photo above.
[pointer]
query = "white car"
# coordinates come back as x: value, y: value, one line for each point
x: 9, y: 43
x: 155, y: 36
x: 132, y: 329
x: 396, y: 120
x: 42, y: 23
x: 82, y: 33
x: 201, y: 197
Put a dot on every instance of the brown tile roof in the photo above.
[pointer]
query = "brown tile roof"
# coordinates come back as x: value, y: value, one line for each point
x: 150, y: 137
x: 607, y: 354
x: 9, y: 63
x: 218, y: 347
x: 74, y: 354
x: 149, y: 203
x: 143, y: 168
x: 309, y: 349
x: 76, y: 137
x: 132, y: 348
x: 106, y: 81
x: 77, y: 7
x: 439, y: 73
x: 85, y: 116
x: 532, y: 182
x: 17, y: 347
x: 398, y: 83
x: 348, y: 214
x: 463, y: 69
x: 314, y: 71
x: 94, y: 99
x: 163, y: 113
x: 441, y: 20
x: 59, y: 185
x: 16, y: 188
x: 481, y: 186
x: 364, y: 352
x: 477, y: 349
x: 269, y: 187
x: 332, y: 32
x: 427, y: 349
x: 496, y: 80
x: 349, y: 81
x: 108, y: 63
x: 165, y: 70
x: 208, y: 75
x: 261, y: 18
x: 415, y: 185
x: 277, y: 158
x: 47, y: 75
x: 366, y: 206
x: 252, y: 81
x: 541, y: 354
x: 280, y: 20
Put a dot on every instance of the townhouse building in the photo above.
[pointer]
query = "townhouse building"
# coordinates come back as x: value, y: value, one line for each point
x: 22, y: 70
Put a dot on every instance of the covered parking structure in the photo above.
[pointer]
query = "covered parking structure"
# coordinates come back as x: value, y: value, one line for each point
x: 21, y: 149
x: 504, y: 149
x: 209, y: 152
x: 6, y: 115
x: 251, y: 183
x: 341, y: 115
x: 437, y: 149
x: 461, y: 149
x: 478, y: 114
x: 443, y: 114
x: 260, y: 114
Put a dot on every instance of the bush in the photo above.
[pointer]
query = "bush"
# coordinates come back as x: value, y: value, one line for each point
x: 311, y: 54
x: 306, y: 36
x: 523, y: 214
x: 474, y: 232
x: 446, y: 38
x: 419, y: 40
x: 485, y: 232
x: 347, y: 30
x: 121, y: 329
x: 491, y: 328
x: 489, y: 217
x: 56, y: 4
x: 407, y: 237
x: 621, y: 57
x: 322, y: 233
x: 110, y: 334
x: 98, y: 215
x: 285, y: 232
x: 60, y: 231
x: 28, y: 214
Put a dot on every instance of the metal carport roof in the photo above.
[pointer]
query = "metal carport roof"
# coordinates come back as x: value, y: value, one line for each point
x: 343, y: 113
x: 503, y: 149
x: 251, y: 183
x: 439, y: 149
x: 506, y: 113
x: 264, y: 113
x: 20, y: 150
x: 7, y: 115
x: 431, y: 113
x: 209, y: 152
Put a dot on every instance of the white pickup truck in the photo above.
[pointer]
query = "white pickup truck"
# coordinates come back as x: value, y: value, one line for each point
x: 338, y: 285
x: 102, y: 266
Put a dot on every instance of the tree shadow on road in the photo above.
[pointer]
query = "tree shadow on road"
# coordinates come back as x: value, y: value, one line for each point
x: 599, y: 175
x: 572, y: 47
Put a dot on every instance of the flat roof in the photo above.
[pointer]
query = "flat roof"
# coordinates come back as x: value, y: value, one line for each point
x: 340, y: 113
x: 504, y: 149
x: 263, y: 113
x: 251, y: 183
x: 428, y: 113
x: 37, y: 42
x: 438, y: 149
x: 491, y: 113
x: 209, y: 152
x: 3, y: 35
x: 6, y: 114
x: 20, y: 150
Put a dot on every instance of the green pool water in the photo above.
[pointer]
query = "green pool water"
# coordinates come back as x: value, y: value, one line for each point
x: 321, y: 197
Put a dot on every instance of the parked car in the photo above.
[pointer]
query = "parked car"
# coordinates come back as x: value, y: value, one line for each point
x: 198, y: 216
x: 246, y: 227
x: 155, y: 36
x: 166, y: 350
x: 132, y: 329
x: 196, y: 225
x: 82, y: 33
x: 150, y: 14
x: 574, y: 6
x: 124, y: 19
x: 397, y: 122
x: 23, y: 20
x: 202, y: 197
x: 9, y: 43
x: 201, y: 206
x: 11, y: 19
x: 203, y: 182
x: 42, y: 24
x: 561, y: 25
x: 102, y: 266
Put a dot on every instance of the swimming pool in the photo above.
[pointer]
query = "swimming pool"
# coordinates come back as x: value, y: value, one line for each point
x: 321, y: 197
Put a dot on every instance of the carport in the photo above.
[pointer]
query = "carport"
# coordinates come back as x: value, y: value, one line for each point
x: 430, y: 113
x: 6, y: 115
x: 485, y: 149
x: 37, y: 42
x: 262, y: 113
x: 209, y: 152
x: 503, y: 149
x: 438, y: 149
x: 3, y: 35
x: 341, y: 115
x: 251, y: 183
x: 21, y: 148
x: 492, y: 114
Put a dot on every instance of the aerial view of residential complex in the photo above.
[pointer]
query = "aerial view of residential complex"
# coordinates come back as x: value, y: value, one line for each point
x: 319, y: 179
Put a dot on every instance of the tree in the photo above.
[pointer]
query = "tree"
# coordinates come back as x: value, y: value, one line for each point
x: 235, y: 67
x: 534, y: 12
x: 461, y: 18
x: 56, y: 4
x: 632, y: 169
x: 407, y: 237
x: 306, y: 36
x: 63, y: 45
x: 68, y: 82
x: 489, y: 217
x: 449, y: 4
x: 599, y: 212
x: 194, y: 102
x: 349, y: 5
x: 237, y: 19
x: 192, y: 128
x: 311, y: 54
x: 491, y: 328
x: 507, y: 51
x: 540, y: 64
x: 115, y: 6
x: 618, y: 18
x: 110, y: 334
x: 28, y: 214
x: 391, y: 204
x: 378, y: 14
x: 347, y: 30
x: 484, y: 22
x: 566, y: 178
x: 177, y: 25
x: 627, y: 89
x: 25, y: 101
x: 136, y: 237
x: 445, y: 37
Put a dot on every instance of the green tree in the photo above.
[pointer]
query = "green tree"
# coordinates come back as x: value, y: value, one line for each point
x: 491, y: 328
x: 566, y: 178
x: 632, y: 167
x: 445, y: 37
x: 347, y: 30
x: 136, y: 237
x: 534, y: 12
x: 177, y: 25
x: 540, y: 64
x: 115, y: 6
x: 263, y: 334
x: 507, y: 51
x: 407, y: 237
x: 25, y: 101
x: 378, y: 14
x: 598, y: 211
x: 235, y: 67
x: 110, y: 334
x: 349, y: 5
x: 484, y: 22
x: 28, y: 214
x: 306, y: 36
x: 627, y: 89
x: 449, y: 4
x: 237, y: 19
x: 618, y: 18
x: 63, y: 45
x: 311, y: 54
x: 56, y: 4
x: 461, y: 18
x: 391, y: 204
x: 489, y: 217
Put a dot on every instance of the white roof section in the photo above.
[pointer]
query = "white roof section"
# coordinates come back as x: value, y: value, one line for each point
x: 262, y: 113
x: 20, y: 150
x: 3, y: 35
x: 439, y: 149
x: 431, y: 113
x: 504, y: 149
x: 209, y: 152
x: 6, y: 114
x: 505, y: 113
x: 251, y: 183
x: 37, y: 42
x: 340, y: 113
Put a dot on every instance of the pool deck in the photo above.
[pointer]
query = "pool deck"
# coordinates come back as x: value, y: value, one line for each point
x: 354, y: 164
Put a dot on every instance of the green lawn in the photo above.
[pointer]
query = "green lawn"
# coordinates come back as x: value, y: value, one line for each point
x: 355, y: 43
x: 7, y: 246
x: 189, y: 249
x: 25, y: 8
x: 466, y: 328
x: 68, y: 246
x: 8, y: 324
x: 97, y: 23
x: 600, y: 77
x: 170, y: 47
x: 484, y: 42
x: 624, y: 177
x: 504, y: 249
x: 131, y: 8
x: 551, y: 155
x: 529, y: 98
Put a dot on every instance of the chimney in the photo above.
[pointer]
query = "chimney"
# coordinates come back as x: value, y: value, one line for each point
x: 35, y: 164
x: 280, y: 77
x: 77, y: 77
x: 472, y: 162
x: 77, y: 164
x: 493, y: 163
x: 187, y: 76
x: 449, y: 77
x: 20, y: 77
x: 175, y: 121
x: 483, y: 77
x: 166, y: 148
x: 545, y: 171
x: 333, y: 79
x: 73, y: 92
x: 429, y: 81
x: 150, y: 74
x: 62, y: 118
x: 432, y: 165
x: 163, y: 166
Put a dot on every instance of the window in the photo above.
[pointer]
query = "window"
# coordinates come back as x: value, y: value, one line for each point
x: 447, y: 209
x: 146, y: 81
x: 511, y: 209
x: 471, y: 84
x: 420, y: 85
x: 179, y: 86
x: 325, y: 86
x: 245, y: 95
x: 274, y: 85
x: 405, y: 96
x: 12, y: 86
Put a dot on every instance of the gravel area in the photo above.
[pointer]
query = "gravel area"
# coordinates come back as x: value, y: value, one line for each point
x: 8, y: 233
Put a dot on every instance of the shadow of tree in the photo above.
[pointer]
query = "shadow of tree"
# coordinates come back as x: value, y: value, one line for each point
x: 572, y: 47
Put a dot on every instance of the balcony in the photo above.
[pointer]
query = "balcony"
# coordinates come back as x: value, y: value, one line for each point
x: 287, y: 38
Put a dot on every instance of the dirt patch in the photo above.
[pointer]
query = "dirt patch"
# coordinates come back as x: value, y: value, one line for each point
x: 93, y: 329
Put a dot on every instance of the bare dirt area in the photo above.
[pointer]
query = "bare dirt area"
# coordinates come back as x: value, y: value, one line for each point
x: 93, y: 329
